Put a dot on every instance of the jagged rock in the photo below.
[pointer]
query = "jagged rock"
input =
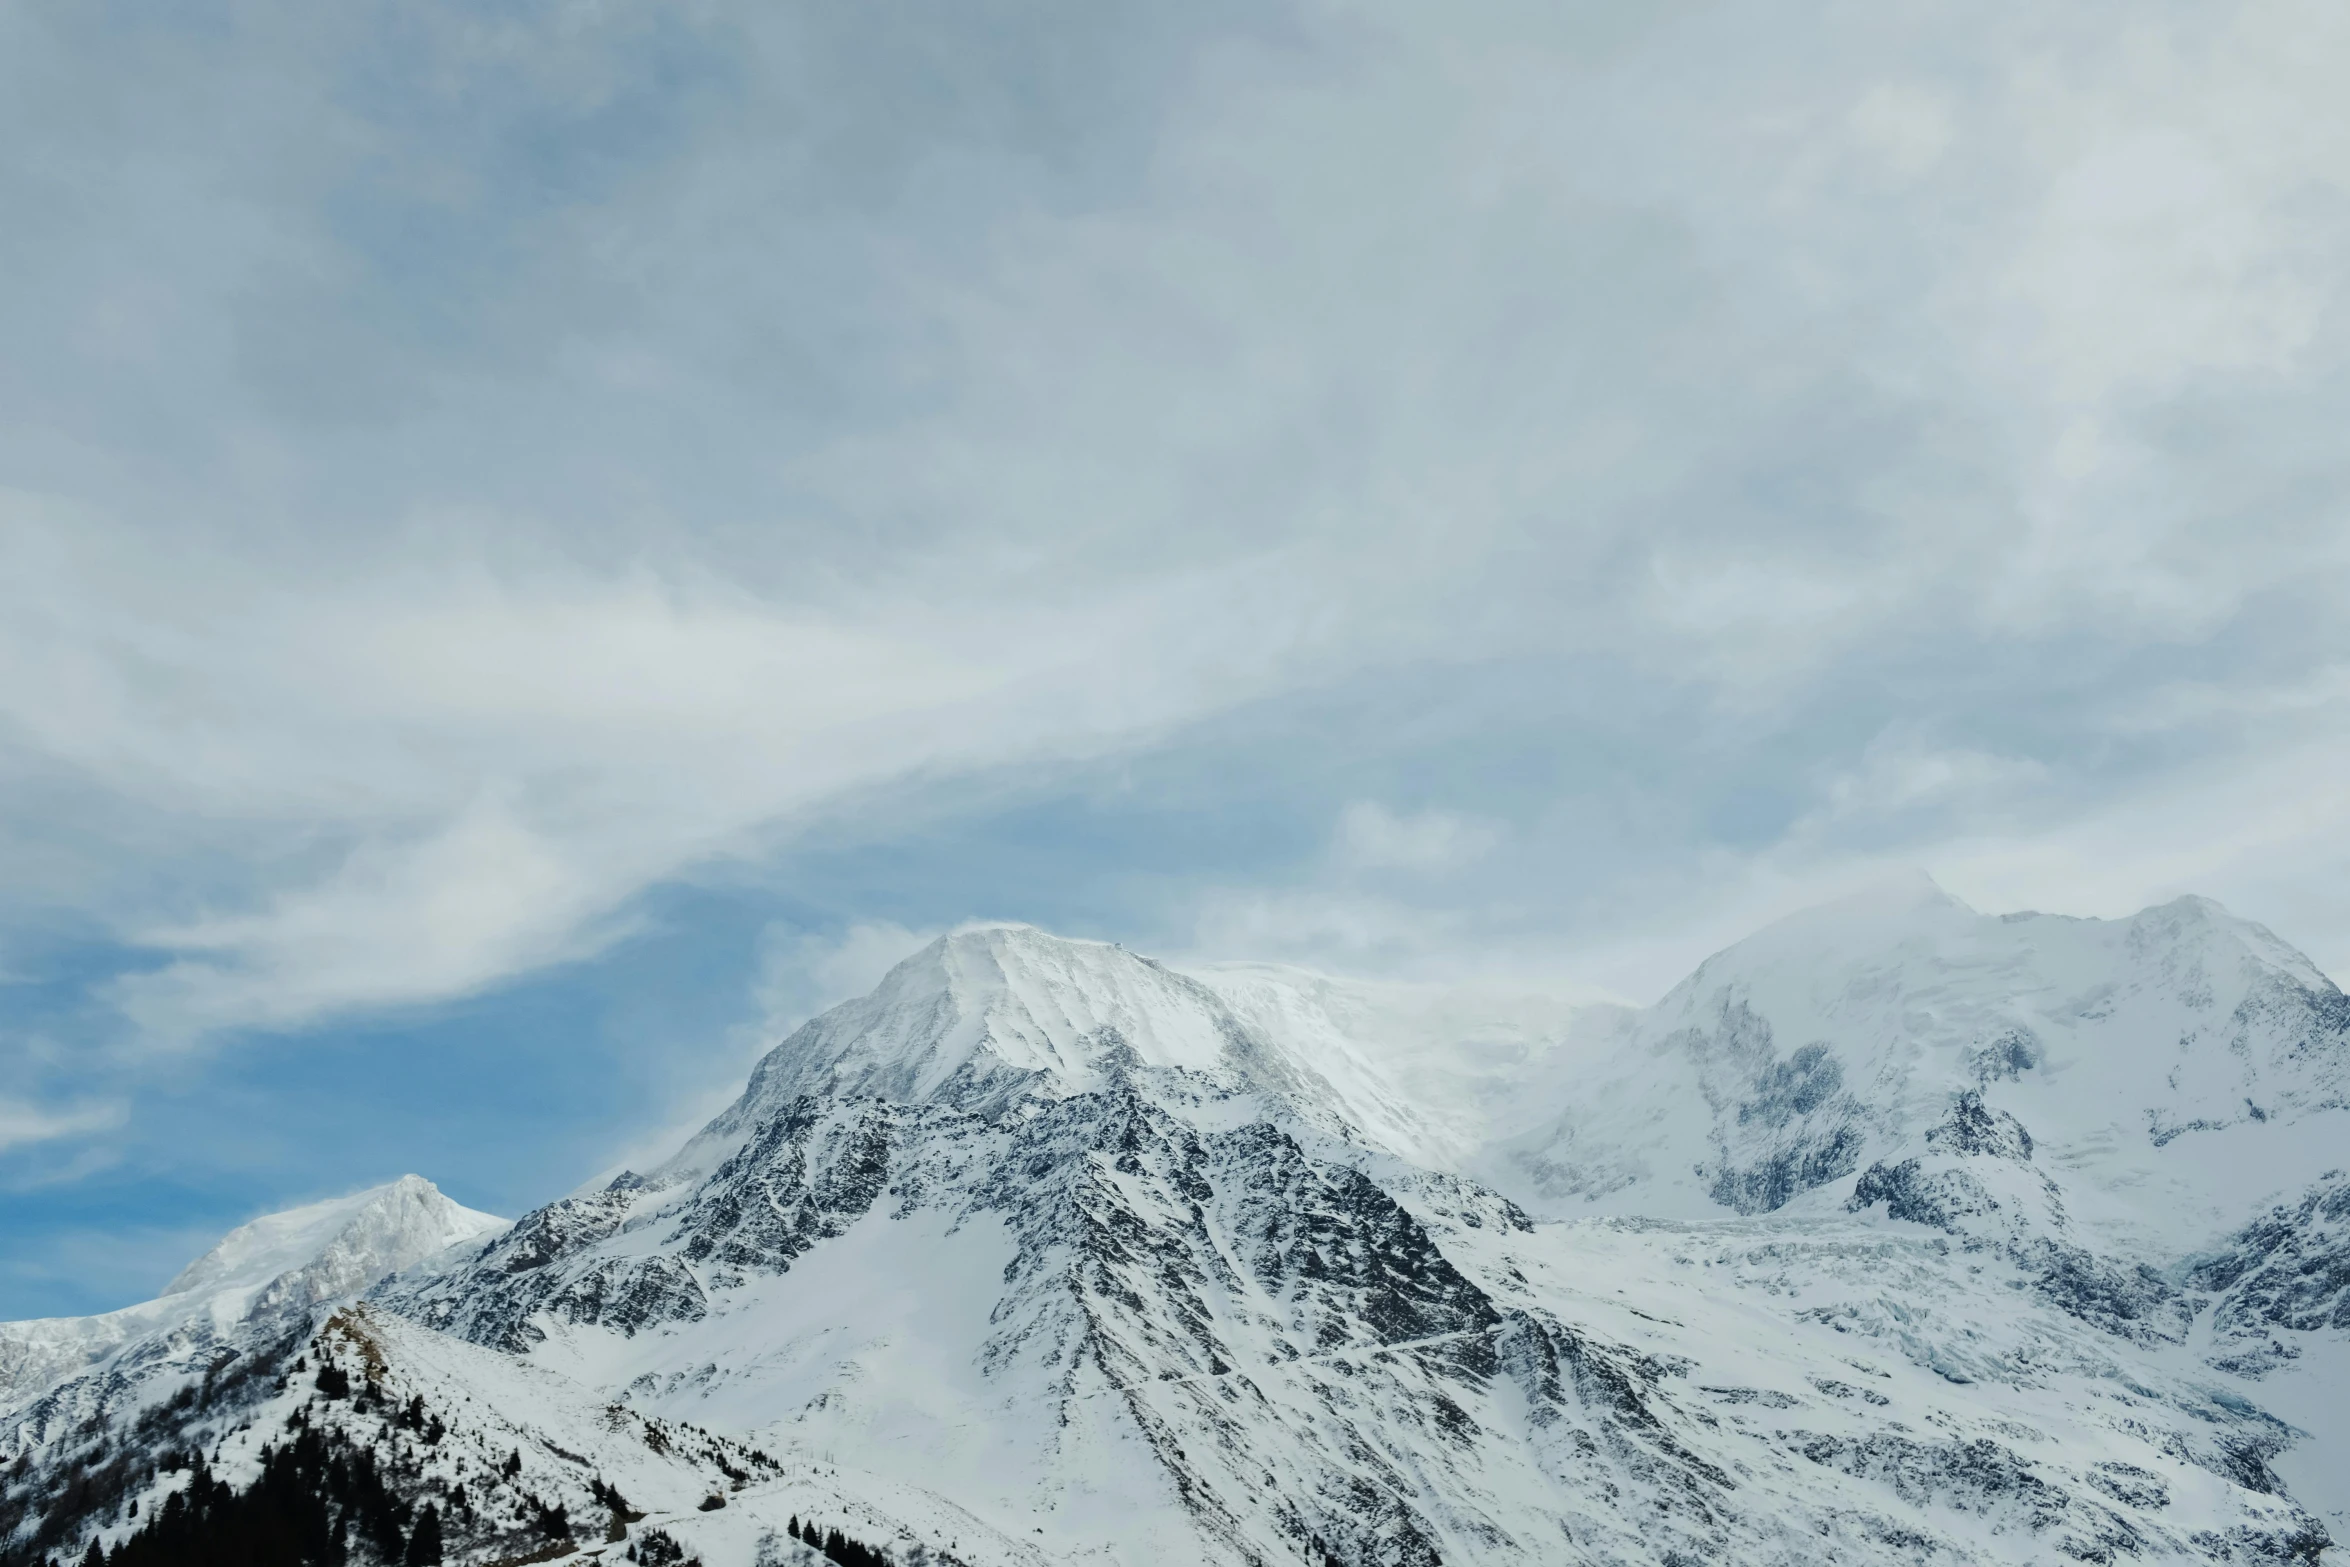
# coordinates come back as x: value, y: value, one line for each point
x: 2281, y: 1278
x: 1975, y: 1128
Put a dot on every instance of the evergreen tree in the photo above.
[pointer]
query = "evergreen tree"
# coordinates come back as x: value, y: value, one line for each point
x: 310, y: 1496
x: 424, y: 1546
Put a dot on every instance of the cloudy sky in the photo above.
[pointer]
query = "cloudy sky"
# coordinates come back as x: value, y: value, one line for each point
x: 540, y: 541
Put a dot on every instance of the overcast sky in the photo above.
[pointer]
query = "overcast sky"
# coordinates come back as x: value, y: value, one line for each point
x: 540, y: 541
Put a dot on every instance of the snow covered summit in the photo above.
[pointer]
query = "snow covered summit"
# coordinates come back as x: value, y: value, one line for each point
x: 338, y: 1247
x: 999, y: 1019
x: 998, y: 1010
x: 2181, y: 1065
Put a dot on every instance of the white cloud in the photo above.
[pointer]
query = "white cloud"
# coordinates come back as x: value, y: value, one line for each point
x: 1901, y: 771
x: 22, y: 1122
x: 2173, y: 231
x: 1372, y: 837
x: 799, y: 974
x: 481, y: 898
x: 1906, y: 126
x: 476, y: 775
x: 2272, y: 842
x: 803, y: 973
x: 1336, y: 931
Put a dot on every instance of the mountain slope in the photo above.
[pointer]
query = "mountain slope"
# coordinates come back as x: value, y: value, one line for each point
x: 1150, y: 1342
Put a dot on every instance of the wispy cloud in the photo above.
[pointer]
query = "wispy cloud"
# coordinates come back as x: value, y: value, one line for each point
x: 1372, y: 837
x: 801, y: 973
x: 479, y: 775
x: 23, y: 1122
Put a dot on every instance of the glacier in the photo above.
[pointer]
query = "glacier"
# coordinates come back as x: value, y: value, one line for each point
x: 1895, y: 1232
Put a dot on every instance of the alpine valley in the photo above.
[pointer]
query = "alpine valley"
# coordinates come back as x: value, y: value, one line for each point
x: 1895, y: 1233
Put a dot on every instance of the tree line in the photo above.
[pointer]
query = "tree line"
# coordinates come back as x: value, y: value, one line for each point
x: 317, y: 1503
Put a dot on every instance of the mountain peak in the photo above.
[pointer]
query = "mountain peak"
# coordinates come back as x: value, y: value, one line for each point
x: 1892, y: 909
x: 341, y: 1244
x: 258, y: 1279
x: 976, y: 958
x: 1906, y: 889
x: 989, y: 1014
x: 1841, y: 1033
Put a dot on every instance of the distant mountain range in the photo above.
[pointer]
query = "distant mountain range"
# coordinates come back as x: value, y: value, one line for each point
x: 1895, y: 1233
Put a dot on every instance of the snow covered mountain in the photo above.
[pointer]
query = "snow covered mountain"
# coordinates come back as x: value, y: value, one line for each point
x: 1895, y: 1233
x: 2179, y: 1067
x: 264, y: 1278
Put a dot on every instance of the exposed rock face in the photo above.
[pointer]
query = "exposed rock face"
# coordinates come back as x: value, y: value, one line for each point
x: 1948, y: 1189
x: 1975, y: 1129
x: 1971, y: 1183
x: 2282, y: 1279
x: 1792, y: 1128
